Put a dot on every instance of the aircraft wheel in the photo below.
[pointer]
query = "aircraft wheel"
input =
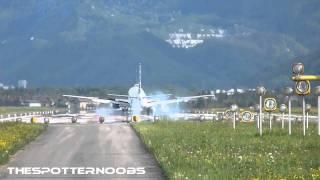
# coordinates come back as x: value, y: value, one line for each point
x: 74, y: 120
x: 101, y: 120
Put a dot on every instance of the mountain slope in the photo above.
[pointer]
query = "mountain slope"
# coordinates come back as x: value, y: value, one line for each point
x: 100, y: 42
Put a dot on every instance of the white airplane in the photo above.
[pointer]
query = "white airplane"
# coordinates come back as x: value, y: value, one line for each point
x: 137, y: 101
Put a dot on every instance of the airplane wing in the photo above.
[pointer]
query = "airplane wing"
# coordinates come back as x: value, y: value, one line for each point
x: 98, y: 100
x: 118, y: 95
x: 179, y: 99
x: 160, y: 95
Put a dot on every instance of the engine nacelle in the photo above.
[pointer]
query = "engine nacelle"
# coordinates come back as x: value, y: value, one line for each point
x: 116, y: 106
x: 149, y: 111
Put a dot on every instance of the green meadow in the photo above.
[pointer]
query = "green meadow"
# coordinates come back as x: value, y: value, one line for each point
x: 213, y: 150
x: 13, y: 136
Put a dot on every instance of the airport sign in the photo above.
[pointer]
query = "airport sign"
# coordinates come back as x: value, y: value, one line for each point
x: 270, y: 104
x: 228, y: 114
x: 283, y: 108
x: 306, y: 78
x: 261, y: 91
x: 234, y: 108
x: 297, y: 69
x: 303, y: 88
x: 308, y: 107
x: 288, y: 91
x: 246, y: 116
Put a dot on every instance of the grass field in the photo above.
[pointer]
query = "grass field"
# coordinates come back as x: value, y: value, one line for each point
x: 14, y: 136
x: 213, y: 150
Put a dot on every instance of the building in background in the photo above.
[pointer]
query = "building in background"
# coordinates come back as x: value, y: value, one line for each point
x: 86, y: 105
x: 32, y: 103
x: 22, y: 84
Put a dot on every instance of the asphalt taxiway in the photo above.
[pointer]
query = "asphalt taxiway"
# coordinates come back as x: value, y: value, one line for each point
x: 113, y: 144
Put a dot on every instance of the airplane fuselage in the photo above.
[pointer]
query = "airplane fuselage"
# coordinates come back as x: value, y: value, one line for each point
x: 138, y: 100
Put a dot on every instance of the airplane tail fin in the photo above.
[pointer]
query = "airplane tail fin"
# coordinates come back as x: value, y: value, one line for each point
x: 140, y: 81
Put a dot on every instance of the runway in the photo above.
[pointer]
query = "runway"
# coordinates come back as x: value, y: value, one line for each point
x: 85, y: 145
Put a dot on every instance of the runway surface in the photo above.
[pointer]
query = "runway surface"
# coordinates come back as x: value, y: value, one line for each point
x: 85, y: 145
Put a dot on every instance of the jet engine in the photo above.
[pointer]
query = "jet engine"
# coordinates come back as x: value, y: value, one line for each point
x: 116, y: 106
x: 149, y: 111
